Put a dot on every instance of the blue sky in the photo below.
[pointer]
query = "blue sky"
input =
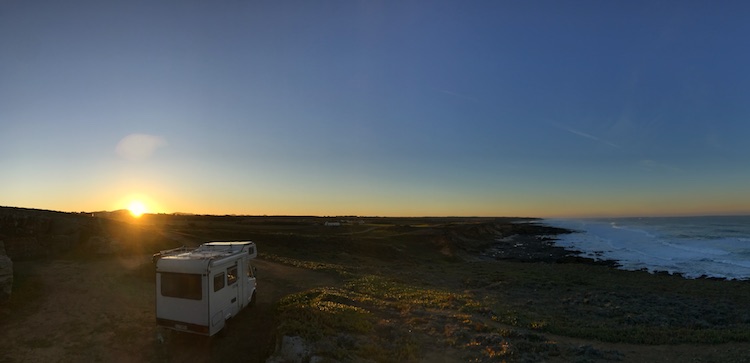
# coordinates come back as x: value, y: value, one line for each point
x: 533, y: 108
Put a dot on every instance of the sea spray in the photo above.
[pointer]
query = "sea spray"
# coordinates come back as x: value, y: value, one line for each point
x: 713, y: 246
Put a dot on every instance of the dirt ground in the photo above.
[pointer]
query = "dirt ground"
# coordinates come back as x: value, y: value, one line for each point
x: 103, y: 310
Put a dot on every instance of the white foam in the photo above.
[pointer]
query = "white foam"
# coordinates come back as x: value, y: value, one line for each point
x: 672, y: 245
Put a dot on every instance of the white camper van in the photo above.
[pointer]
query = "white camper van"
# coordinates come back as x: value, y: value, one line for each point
x: 198, y: 290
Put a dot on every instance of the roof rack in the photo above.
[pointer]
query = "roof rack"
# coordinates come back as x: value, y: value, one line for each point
x: 171, y: 252
x: 208, y: 251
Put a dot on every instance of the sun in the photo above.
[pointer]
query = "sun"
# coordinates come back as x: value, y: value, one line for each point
x: 137, y: 208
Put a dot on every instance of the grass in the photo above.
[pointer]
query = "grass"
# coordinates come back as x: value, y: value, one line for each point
x: 320, y: 312
x: 342, y: 327
x: 310, y: 265
x: 502, y: 310
x: 385, y: 320
x: 402, y: 296
x: 409, y: 292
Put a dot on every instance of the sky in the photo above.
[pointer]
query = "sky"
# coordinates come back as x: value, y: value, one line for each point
x: 377, y: 108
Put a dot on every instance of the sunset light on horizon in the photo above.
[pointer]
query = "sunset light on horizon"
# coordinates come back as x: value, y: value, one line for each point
x: 509, y: 108
x: 137, y: 208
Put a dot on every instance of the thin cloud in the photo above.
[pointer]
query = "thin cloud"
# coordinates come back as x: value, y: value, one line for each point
x: 588, y: 136
x: 650, y: 164
x: 137, y: 147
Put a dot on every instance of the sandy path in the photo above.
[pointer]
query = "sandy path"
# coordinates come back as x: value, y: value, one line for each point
x: 103, y: 310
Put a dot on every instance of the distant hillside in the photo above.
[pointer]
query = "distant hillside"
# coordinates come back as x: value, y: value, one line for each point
x: 34, y: 233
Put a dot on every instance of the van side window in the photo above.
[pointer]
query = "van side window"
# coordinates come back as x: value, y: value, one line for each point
x: 182, y: 286
x: 219, y: 282
x: 231, y: 275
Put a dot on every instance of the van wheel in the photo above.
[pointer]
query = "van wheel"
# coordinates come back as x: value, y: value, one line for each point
x: 223, y: 332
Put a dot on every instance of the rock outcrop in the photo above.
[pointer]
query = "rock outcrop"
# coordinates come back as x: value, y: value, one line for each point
x: 30, y: 234
x: 6, y: 274
x: 291, y: 350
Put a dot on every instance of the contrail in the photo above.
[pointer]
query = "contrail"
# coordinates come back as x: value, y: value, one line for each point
x: 588, y: 136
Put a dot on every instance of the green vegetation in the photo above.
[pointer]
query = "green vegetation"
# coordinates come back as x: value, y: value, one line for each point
x: 403, y: 290
x: 344, y: 321
x: 310, y: 265
x: 321, y: 312
x: 616, y: 306
x: 383, y: 292
x: 486, y: 310
x: 385, y: 320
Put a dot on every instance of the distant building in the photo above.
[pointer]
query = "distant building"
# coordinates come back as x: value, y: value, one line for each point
x: 333, y: 224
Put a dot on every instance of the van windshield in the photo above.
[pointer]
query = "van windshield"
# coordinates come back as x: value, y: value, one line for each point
x: 183, y: 286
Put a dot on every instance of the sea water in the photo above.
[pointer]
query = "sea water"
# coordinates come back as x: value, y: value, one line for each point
x: 715, y: 246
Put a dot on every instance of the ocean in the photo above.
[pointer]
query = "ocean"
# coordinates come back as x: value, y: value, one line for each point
x: 713, y: 246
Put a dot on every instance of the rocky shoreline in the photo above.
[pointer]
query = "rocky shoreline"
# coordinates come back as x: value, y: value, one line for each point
x: 539, y: 248
x: 522, y: 241
x: 536, y: 243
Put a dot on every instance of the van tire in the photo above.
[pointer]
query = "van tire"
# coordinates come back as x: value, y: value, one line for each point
x: 223, y: 332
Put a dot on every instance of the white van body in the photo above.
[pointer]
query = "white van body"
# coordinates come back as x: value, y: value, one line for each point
x: 198, y: 290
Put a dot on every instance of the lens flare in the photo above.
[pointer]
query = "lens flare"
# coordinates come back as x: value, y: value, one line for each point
x: 137, y: 208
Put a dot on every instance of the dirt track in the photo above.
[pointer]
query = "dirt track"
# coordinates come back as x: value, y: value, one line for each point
x: 103, y: 310
x: 86, y: 309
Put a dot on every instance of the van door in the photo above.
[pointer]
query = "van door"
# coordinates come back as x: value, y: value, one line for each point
x: 235, y: 289
x: 224, y: 300
x: 250, y: 285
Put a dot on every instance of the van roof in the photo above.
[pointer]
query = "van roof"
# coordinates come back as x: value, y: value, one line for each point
x: 228, y: 243
x: 208, y: 253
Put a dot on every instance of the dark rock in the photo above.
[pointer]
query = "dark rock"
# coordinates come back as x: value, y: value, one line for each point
x: 6, y: 274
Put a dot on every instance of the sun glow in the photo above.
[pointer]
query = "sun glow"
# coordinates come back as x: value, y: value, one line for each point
x: 137, y: 208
